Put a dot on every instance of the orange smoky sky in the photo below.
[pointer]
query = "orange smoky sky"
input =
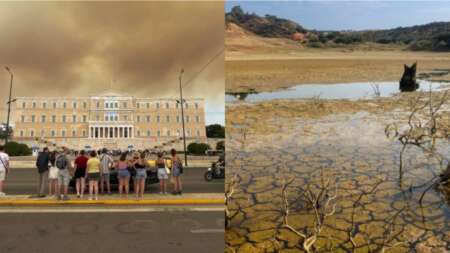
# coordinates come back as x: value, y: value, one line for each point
x: 84, y: 48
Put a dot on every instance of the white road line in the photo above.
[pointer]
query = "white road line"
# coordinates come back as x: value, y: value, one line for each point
x: 110, y: 210
x: 207, y: 230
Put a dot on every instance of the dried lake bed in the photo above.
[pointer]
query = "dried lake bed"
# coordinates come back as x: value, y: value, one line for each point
x: 337, y: 148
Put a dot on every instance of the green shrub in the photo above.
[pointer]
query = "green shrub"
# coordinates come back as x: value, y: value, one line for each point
x: 315, y: 44
x: 17, y: 149
x: 198, y: 148
x: 421, y: 45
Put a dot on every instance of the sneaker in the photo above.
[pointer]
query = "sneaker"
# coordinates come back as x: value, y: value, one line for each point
x: 58, y: 197
x: 90, y: 198
x: 96, y: 198
x: 179, y: 193
x: 41, y: 196
x: 2, y: 194
x: 174, y: 193
x: 78, y: 195
x: 161, y: 192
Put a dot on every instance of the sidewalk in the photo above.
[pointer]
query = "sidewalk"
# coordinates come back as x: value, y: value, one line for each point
x: 149, y: 199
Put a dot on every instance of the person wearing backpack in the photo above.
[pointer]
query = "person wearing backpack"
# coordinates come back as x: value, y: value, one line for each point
x: 42, y: 162
x: 63, y: 164
x: 177, y: 170
x: 106, y: 163
x: 4, y: 168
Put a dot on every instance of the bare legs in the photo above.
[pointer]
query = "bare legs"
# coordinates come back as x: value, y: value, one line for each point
x: 139, y: 187
x: 93, y: 189
x: 162, y: 186
x: 102, y: 184
x: 124, y: 185
x: 80, y: 186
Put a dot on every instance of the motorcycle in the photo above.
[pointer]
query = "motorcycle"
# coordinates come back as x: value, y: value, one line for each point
x: 216, y: 171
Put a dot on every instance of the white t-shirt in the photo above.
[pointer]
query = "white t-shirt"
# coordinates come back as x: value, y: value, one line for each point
x: 4, y: 159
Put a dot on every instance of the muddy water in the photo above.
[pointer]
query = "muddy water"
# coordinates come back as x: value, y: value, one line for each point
x: 352, y: 151
x: 360, y: 90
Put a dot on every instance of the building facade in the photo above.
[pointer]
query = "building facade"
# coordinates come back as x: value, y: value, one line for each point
x: 108, y: 120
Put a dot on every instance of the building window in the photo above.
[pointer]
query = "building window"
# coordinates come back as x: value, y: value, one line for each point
x: 44, y: 105
x: 176, y: 105
x: 178, y: 118
x: 106, y: 105
x: 148, y: 118
x: 186, y: 105
x: 53, y: 118
x: 188, y: 132
x: 24, y: 104
x: 196, y: 106
x: 138, y: 118
x: 148, y: 133
x: 124, y: 104
x: 138, y: 133
x: 74, y: 118
x: 148, y: 105
x: 54, y: 105
x: 84, y: 118
x: 116, y: 105
x: 159, y: 133
x: 167, y: 105
x: 197, y: 119
x: 64, y: 118
x: 98, y: 104
x: 198, y: 133
x: 187, y: 119
x: 73, y: 133
x: 106, y: 118
x: 64, y: 105
x: 137, y: 105
x: 84, y: 133
x: 167, y: 118
x: 43, y: 118
x: 53, y: 133
x: 178, y: 132
x: 22, y: 118
x: 21, y: 133
x: 34, y: 104
x: 74, y: 105
x: 168, y: 132
x: 31, y: 133
x: 33, y: 118
x: 157, y: 119
x: 84, y: 105
x: 97, y: 117
x: 63, y: 133
x: 125, y: 117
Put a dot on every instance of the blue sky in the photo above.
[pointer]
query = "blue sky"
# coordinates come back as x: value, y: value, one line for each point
x: 351, y: 15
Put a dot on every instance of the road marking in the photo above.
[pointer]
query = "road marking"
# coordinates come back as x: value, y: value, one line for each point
x: 207, y: 230
x: 110, y: 210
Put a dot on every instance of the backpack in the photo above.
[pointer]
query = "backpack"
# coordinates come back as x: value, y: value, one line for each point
x: 61, y: 162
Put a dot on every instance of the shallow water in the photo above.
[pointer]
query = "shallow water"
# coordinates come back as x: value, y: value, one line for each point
x: 353, y: 91
x: 353, y: 152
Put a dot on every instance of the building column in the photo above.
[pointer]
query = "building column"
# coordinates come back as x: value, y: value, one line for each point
x: 131, y: 132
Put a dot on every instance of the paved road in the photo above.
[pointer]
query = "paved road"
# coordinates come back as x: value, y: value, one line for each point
x: 24, y: 181
x: 166, y: 230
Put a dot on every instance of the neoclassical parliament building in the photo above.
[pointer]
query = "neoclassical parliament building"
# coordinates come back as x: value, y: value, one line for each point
x: 109, y: 120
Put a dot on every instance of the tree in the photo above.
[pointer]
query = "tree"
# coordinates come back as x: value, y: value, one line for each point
x: 215, y: 131
x: 198, y: 148
x: 3, y: 131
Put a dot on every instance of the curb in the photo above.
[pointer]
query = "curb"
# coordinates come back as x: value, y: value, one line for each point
x: 114, y: 202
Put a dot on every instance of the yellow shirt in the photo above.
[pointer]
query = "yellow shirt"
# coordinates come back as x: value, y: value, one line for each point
x: 93, y: 165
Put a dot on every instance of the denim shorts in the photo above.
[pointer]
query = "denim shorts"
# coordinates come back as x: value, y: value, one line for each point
x: 123, y: 173
x: 162, y: 174
x: 64, y: 177
x: 141, y: 173
x: 176, y: 172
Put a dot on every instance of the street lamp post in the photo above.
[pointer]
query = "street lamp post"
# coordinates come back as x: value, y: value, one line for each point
x: 182, y: 118
x: 9, y: 104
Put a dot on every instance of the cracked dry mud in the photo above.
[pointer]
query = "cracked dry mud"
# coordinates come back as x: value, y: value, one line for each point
x: 272, y: 142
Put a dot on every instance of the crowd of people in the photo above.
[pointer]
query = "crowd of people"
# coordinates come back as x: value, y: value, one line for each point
x: 95, y: 167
